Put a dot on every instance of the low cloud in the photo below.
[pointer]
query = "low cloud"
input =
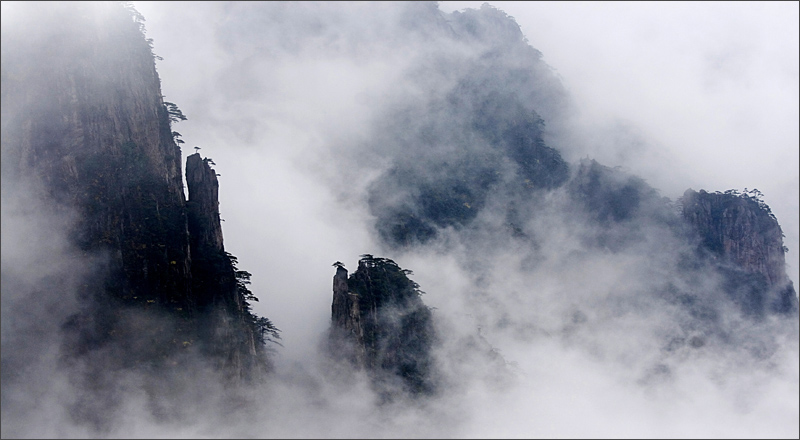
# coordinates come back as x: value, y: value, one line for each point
x: 306, y: 108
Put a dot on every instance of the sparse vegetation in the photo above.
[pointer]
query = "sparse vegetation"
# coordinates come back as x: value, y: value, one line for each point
x: 398, y: 327
x: 175, y: 114
x: 263, y: 328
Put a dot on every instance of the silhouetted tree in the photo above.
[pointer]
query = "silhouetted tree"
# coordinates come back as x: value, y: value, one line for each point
x: 175, y: 114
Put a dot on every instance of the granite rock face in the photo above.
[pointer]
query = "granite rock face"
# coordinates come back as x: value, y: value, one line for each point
x: 206, y: 228
x: 227, y: 328
x: 83, y: 114
x: 380, y: 324
x: 85, y: 126
x: 346, y: 319
x: 744, y: 239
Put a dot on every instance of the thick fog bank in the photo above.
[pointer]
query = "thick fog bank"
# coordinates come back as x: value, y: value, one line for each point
x: 324, y: 118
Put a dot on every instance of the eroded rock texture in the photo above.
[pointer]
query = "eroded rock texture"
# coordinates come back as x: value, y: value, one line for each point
x: 86, y: 128
x: 745, y: 240
x: 379, y: 323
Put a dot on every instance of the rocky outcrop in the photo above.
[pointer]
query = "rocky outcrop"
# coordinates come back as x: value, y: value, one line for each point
x: 203, y: 204
x: 84, y: 126
x: 227, y: 330
x: 380, y: 324
x: 741, y: 235
x: 213, y: 281
x: 346, y: 320
x: 83, y: 115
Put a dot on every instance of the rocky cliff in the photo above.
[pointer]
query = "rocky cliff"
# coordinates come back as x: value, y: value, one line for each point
x: 346, y: 320
x: 229, y: 330
x: 740, y: 234
x: 203, y: 203
x: 380, y: 324
x: 85, y: 126
x: 83, y: 113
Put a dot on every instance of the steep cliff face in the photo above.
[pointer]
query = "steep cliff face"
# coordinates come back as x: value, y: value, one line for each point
x: 83, y: 113
x: 379, y: 323
x: 228, y: 330
x: 213, y: 281
x: 745, y: 240
x: 84, y: 125
x: 203, y: 204
x: 346, y: 320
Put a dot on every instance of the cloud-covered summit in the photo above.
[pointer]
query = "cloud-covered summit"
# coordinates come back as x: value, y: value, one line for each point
x: 569, y: 301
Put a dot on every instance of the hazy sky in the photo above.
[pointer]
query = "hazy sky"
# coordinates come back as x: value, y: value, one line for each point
x: 685, y: 95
